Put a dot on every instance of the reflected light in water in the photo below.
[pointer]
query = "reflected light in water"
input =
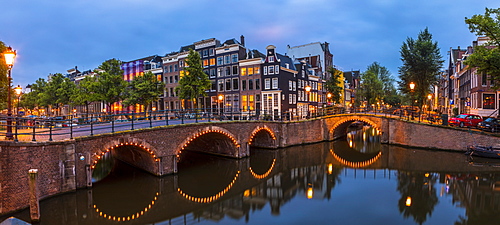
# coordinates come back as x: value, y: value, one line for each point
x: 408, y: 201
x: 330, y: 168
x: 310, y: 193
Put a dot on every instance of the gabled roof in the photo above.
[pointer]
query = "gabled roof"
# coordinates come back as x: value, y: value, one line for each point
x: 284, y: 60
x: 255, y: 54
x: 231, y: 41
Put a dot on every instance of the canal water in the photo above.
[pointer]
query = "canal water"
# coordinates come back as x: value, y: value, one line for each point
x: 353, y: 181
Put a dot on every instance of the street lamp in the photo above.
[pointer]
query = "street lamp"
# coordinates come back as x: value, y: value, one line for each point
x: 19, y: 91
x: 9, y: 55
x: 412, y: 88
x: 220, y: 97
x: 308, y: 90
x: 429, y: 96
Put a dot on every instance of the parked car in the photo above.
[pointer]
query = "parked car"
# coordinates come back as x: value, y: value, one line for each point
x: 490, y: 124
x: 465, y: 120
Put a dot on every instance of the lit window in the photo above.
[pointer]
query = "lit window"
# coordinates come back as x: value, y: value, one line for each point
x: 205, y: 62
x: 212, y: 61
x: 250, y: 70
x: 243, y: 71
x: 256, y: 70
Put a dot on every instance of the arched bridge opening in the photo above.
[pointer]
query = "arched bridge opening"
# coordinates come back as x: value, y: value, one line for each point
x: 340, y: 129
x: 135, y: 154
x: 262, y: 137
x: 212, y: 141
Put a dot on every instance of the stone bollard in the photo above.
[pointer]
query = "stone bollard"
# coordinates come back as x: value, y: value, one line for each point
x: 34, y: 203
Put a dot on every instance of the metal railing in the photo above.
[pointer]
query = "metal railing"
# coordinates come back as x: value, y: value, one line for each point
x: 33, y: 129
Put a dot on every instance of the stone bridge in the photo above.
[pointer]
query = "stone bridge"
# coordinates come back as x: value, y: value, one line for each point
x: 66, y: 165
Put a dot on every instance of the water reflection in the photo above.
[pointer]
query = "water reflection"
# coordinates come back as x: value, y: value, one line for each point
x: 324, y: 183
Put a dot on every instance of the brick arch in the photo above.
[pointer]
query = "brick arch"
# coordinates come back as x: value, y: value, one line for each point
x: 336, y: 132
x: 142, y: 144
x: 270, y: 143
x: 212, y: 129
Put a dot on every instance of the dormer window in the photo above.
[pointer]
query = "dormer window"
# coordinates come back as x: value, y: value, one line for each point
x: 271, y: 58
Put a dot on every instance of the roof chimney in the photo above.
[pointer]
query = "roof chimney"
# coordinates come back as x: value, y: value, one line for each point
x: 242, y: 40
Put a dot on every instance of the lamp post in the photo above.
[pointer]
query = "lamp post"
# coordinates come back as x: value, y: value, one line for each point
x: 221, y: 98
x: 19, y: 91
x: 412, y: 88
x: 308, y: 90
x: 429, y: 96
x: 9, y: 55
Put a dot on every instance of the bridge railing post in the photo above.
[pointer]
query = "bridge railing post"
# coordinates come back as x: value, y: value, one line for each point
x: 71, y: 127
x: 182, y: 116
x: 150, y: 117
x: 133, y: 118
x: 113, y: 123
x: 91, y: 125
x: 166, y: 117
x: 34, y: 125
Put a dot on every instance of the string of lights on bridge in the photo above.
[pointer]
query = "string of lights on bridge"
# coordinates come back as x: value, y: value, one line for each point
x: 99, y: 156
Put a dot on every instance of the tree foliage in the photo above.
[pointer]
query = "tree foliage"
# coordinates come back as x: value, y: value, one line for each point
x: 486, y: 57
x: 85, y: 92
x: 110, y: 85
x: 422, y: 63
x: 32, y: 99
x: 335, y: 85
x: 57, y: 92
x: 194, y: 82
x: 3, y: 77
x: 143, y: 90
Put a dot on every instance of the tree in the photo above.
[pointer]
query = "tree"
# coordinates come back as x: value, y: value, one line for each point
x: 486, y: 57
x: 143, y: 90
x: 4, y: 83
x: 194, y: 82
x: 371, y: 87
x: 377, y: 85
x: 33, y: 99
x: 110, y: 85
x: 421, y: 65
x: 57, y: 92
x: 85, y: 92
x: 335, y: 85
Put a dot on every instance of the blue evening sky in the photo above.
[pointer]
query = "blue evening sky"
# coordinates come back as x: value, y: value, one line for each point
x: 56, y: 35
